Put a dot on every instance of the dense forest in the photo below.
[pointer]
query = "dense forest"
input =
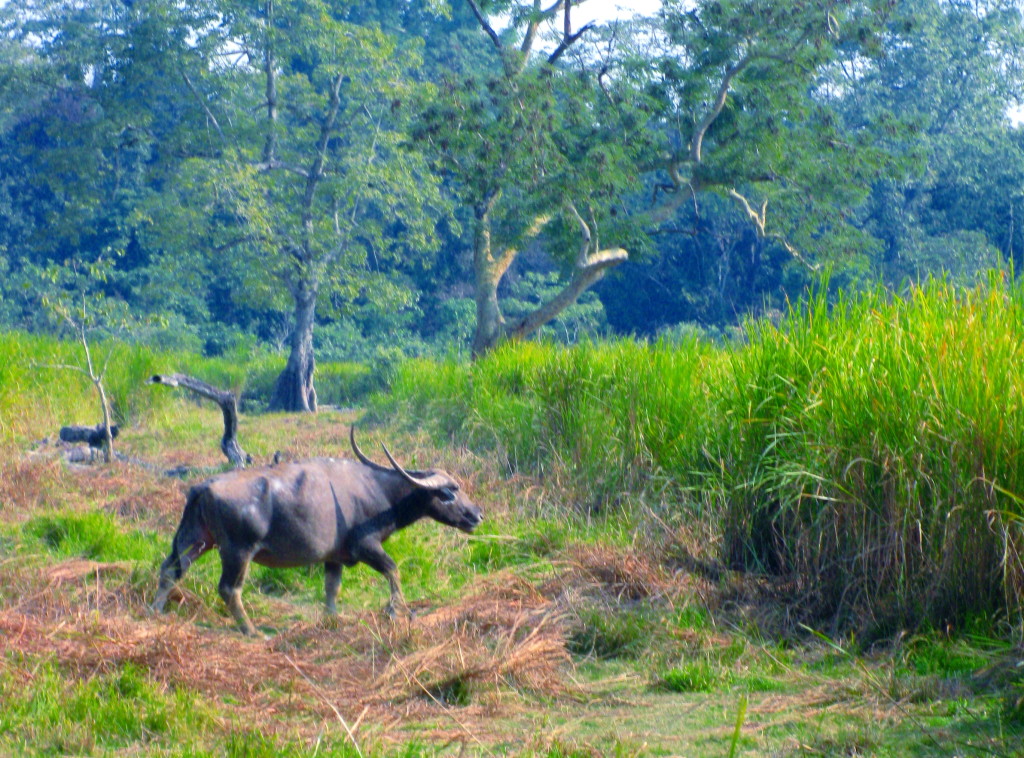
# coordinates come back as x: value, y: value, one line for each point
x: 359, y: 181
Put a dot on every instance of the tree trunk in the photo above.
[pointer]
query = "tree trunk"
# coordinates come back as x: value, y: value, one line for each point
x: 489, y: 321
x: 229, y: 444
x: 294, y: 390
x: 491, y: 327
x: 108, y: 436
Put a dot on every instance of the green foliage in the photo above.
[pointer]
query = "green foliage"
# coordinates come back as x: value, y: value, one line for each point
x: 203, y: 216
x: 949, y: 63
x: 698, y: 676
x: 93, y: 535
x: 533, y: 149
x: 583, y: 320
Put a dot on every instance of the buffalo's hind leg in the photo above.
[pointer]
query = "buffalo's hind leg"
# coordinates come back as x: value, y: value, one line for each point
x: 234, y: 566
x: 332, y: 583
x: 173, y: 568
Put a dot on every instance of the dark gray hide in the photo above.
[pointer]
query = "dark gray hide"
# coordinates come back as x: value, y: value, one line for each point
x: 335, y: 512
x: 93, y: 436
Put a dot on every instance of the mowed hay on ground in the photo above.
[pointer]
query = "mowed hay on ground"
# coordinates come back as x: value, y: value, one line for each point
x: 91, y: 619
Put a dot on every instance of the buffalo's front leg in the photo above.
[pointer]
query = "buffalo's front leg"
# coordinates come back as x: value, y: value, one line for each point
x: 234, y: 567
x: 332, y: 583
x: 172, y: 569
x: 373, y: 555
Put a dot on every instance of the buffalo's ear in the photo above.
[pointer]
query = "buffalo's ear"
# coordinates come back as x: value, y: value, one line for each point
x: 446, y: 495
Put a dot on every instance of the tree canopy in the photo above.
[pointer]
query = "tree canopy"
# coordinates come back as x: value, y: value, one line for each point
x: 422, y: 176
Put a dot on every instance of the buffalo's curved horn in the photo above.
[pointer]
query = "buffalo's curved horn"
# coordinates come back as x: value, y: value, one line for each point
x: 432, y: 482
x: 359, y: 453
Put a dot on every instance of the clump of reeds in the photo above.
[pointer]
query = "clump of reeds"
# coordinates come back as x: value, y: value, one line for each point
x: 882, y: 455
x: 868, y: 448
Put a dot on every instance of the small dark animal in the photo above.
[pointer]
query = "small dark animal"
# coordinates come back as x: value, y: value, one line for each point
x: 335, y: 512
x: 94, y: 436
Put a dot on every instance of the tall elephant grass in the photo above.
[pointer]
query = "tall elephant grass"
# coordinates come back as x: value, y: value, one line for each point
x: 870, y: 449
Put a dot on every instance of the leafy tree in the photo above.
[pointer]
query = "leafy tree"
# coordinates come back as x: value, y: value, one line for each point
x: 953, y: 69
x: 755, y: 172
x: 709, y: 269
x: 635, y: 133
x: 534, y: 153
x: 91, y: 116
x: 746, y: 114
x: 302, y: 174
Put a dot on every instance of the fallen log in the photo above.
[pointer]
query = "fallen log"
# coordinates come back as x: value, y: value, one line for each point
x: 229, y: 444
x: 93, y: 436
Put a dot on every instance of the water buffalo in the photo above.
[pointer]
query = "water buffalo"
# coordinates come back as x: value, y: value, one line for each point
x: 335, y: 512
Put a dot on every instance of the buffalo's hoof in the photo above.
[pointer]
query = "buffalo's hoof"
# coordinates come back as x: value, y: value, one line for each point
x: 393, y: 614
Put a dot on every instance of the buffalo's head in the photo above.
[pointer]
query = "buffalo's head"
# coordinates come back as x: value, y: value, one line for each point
x: 445, y: 501
x: 449, y: 505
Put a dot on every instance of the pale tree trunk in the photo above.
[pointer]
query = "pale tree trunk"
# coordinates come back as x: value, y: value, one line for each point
x: 108, y: 437
x: 491, y: 327
x: 294, y: 390
x: 488, y: 271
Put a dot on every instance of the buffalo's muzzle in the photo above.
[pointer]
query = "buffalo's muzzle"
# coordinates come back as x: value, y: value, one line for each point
x: 471, y: 520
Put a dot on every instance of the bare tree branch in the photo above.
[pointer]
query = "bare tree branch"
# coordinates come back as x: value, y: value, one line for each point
x: 590, y: 266
x: 204, y: 106
x: 568, y: 37
x: 709, y: 118
x: 538, y: 16
x: 276, y: 165
x: 270, y: 70
x: 90, y: 372
x: 229, y: 444
x: 758, y: 218
x: 484, y: 24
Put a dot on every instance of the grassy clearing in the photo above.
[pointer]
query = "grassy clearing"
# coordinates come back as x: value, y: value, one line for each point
x: 574, y: 631
x: 37, y: 397
x: 598, y: 611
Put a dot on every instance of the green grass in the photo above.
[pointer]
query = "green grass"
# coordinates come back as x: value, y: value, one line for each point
x: 868, y: 447
x: 867, y: 450
x: 94, y: 535
x: 616, y: 632
x: 123, y: 709
x: 37, y: 396
x: 104, y: 712
x: 649, y: 677
x: 698, y: 676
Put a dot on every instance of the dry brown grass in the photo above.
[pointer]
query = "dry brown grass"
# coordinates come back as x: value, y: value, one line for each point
x: 91, y: 617
x: 29, y: 483
x: 454, y: 673
x: 622, y: 575
x: 505, y: 637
